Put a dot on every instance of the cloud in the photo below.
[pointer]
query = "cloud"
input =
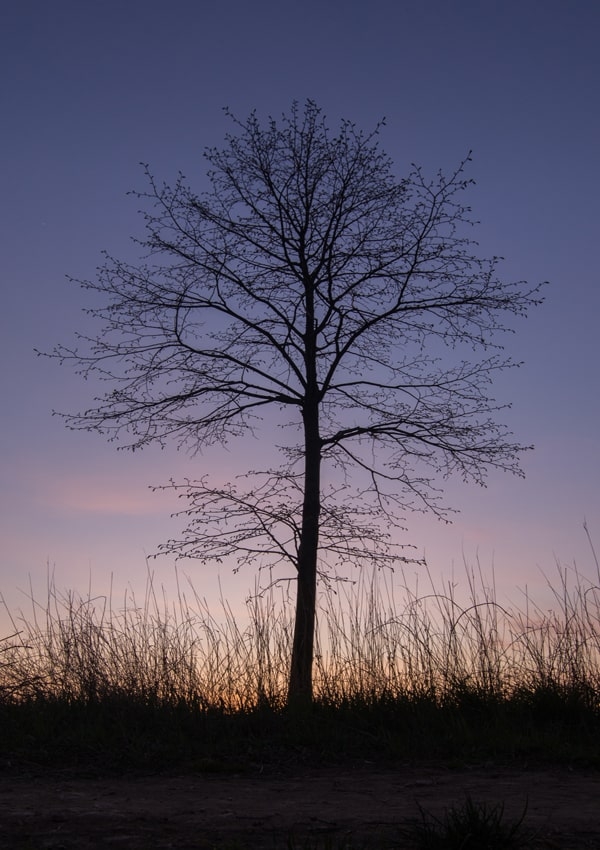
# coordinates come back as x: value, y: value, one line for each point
x: 104, y: 494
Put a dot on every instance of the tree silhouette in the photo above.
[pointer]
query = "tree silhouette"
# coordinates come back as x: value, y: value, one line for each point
x: 308, y: 280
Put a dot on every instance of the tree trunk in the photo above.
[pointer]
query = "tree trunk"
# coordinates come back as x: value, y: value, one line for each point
x: 300, y: 683
x: 300, y: 689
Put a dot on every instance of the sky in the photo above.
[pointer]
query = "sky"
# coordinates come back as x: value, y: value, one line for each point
x: 90, y: 90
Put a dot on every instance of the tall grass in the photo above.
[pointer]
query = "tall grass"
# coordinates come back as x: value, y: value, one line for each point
x: 373, y: 641
x: 435, y: 645
x: 383, y: 643
x: 83, y: 648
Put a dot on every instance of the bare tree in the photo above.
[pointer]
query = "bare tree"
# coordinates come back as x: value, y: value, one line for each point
x: 310, y: 280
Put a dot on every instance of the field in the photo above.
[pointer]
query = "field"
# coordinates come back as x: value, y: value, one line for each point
x: 438, y: 722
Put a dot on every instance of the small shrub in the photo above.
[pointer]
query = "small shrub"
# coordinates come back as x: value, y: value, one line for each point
x: 472, y: 826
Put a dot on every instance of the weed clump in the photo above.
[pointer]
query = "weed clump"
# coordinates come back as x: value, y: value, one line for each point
x: 472, y: 826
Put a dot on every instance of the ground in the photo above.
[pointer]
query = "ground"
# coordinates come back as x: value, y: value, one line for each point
x: 64, y: 811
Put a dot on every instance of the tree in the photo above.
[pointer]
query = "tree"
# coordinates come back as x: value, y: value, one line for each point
x: 308, y: 280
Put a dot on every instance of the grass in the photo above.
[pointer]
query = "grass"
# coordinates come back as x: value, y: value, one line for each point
x: 399, y: 676
x: 471, y: 826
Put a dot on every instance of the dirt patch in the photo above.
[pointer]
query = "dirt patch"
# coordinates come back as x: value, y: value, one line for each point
x: 260, y: 811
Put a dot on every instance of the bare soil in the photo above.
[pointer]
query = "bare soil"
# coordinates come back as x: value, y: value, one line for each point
x: 353, y: 805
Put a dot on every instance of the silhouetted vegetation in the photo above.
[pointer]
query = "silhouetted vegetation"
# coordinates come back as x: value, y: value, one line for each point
x: 407, y: 676
x: 471, y: 826
x: 310, y: 284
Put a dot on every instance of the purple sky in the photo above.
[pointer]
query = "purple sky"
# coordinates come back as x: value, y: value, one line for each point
x: 91, y: 89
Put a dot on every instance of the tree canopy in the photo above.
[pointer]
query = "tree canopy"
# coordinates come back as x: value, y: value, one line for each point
x: 310, y: 284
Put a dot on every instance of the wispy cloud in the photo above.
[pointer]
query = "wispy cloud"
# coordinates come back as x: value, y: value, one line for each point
x: 101, y: 494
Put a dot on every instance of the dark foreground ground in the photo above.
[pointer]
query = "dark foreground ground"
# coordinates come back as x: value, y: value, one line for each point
x: 333, y: 807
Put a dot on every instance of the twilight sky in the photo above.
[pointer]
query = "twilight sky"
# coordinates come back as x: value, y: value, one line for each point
x: 91, y: 89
